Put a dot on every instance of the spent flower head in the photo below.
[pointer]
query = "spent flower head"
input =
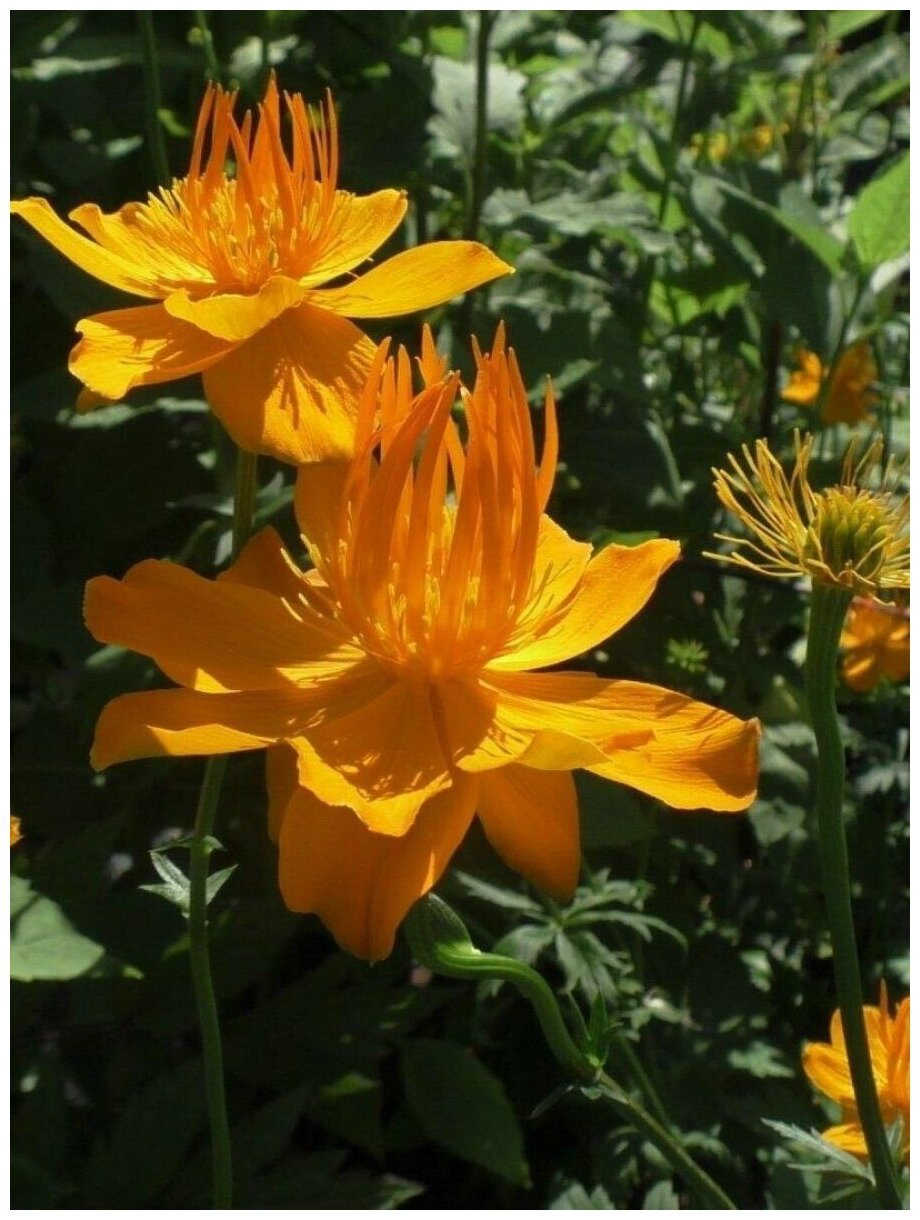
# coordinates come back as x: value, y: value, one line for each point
x: 852, y: 535
x: 244, y: 259
x: 395, y: 682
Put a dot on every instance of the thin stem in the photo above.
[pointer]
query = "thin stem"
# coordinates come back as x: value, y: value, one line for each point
x: 207, y: 46
x: 205, y: 999
x: 478, y: 175
x: 829, y: 606
x: 201, y: 847
x: 708, y: 1192
x: 439, y: 940
x: 153, y: 99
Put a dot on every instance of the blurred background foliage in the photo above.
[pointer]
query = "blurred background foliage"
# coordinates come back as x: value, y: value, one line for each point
x: 688, y: 199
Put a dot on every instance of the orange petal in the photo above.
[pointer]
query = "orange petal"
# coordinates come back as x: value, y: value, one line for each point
x: 292, y: 390
x: 616, y: 585
x: 214, y: 636
x: 126, y: 348
x: 317, y: 499
x: 828, y: 1070
x: 138, y: 246
x: 479, y: 736
x: 414, y: 280
x: 531, y: 819
x: 281, y: 783
x: 178, y: 722
x: 265, y: 564
x: 87, y: 255
x: 362, y: 884
x: 233, y: 316
x: 359, y: 226
x: 384, y: 759
x: 849, y: 1137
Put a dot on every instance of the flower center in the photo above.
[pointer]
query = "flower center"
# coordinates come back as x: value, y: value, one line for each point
x: 850, y: 533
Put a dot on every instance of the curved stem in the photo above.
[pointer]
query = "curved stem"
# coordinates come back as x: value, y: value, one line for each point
x: 829, y: 606
x: 201, y: 848
x: 438, y: 939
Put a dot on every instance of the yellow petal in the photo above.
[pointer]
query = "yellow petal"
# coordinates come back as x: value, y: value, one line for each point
x: 215, y: 636
x: 124, y: 234
x: 292, y: 390
x: 384, y: 759
x: 317, y: 500
x: 414, y: 280
x: 828, y: 1070
x: 698, y: 757
x: 265, y: 564
x: 362, y: 884
x: 849, y: 1137
x: 531, y: 819
x: 184, y: 722
x: 281, y: 783
x: 83, y: 253
x: 616, y: 585
x: 233, y: 316
x: 359, y: 226
x: 126, y: 348
x: 559, y: 565
x: 479, y: 737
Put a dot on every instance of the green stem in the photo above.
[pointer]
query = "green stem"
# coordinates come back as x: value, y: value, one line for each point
x: 829, y: 605
x: 201, y: 847
x: 709, y: 1193
x: 478, y: 175
x: 153, y: 99
x: 439, y: 940
x: 207, y: 46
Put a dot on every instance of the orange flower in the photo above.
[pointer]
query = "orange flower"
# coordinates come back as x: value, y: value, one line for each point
x: 849, y: 396
x: 876, y: 640
x: 828, y: 1069
x: 393, y: 681
x: 15, y: 830
x: 237, y: 266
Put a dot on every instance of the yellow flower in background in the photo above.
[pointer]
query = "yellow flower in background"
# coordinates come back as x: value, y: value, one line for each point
x: 394, y: 681
x: 827, y: 1067
x: 15, y: 830
x: 876, y: 644
x: 850, y: 397
x: 853, y: 535
x: 247, y: 275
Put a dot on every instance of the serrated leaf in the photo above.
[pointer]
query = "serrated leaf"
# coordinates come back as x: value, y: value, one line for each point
x: 463, y: 1107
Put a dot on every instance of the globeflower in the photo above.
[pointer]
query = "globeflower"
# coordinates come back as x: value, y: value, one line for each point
x: 827, y: 1067
x: 875, y: 643
x: 853, y: 535
x: 253, y: 278
x: 849, y: 396
x: 395, y: 682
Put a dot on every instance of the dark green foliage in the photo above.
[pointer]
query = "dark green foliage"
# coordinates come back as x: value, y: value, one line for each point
x: 665, y: 290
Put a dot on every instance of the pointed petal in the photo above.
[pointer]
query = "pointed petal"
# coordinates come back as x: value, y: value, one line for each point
x: 177, y: 722
x: 849, y: 1137
x: 125, y: 348
x: 384, y: 759
x: 362, y: 884
x: 281, y: 782
x: 359, y: 226
x: 233, y: 316
x: 531, y: 819
x: 616, y: 585
x: 265, y: 564
x: 829, y: 1071
x: 215, y: 636
x: 292, y: 390
x: 414, y: 280
x: 83, y: 253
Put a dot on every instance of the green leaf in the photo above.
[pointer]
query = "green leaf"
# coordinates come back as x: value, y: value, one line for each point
x: 879, y: 223
x: 130, y: 1165
x: 463, y: 1107
x: 45, y: 945
x: 844, y: 22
